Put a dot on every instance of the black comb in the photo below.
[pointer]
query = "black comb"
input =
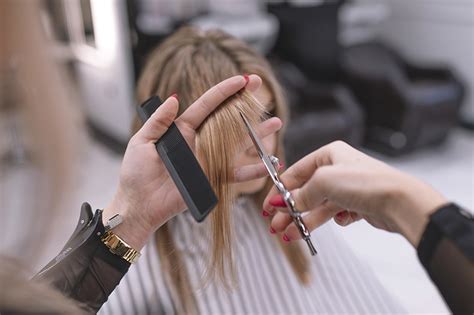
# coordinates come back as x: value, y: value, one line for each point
x: 182, y: 166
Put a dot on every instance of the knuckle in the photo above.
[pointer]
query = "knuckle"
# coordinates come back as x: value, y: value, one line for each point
x: 304, y: 200
x: 221, y: 91
x: 292, y: 232
x: 163, y: 121
x: 339, y: 145
x: 237, y: 175
x: 280, y: 221
x: 160, y: 124
x: 321, y: 175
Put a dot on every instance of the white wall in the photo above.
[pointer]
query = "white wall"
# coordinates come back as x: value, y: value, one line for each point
x: 435, y: 31
x: 104, y: 70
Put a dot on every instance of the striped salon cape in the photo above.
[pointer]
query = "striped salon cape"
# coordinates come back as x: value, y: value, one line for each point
x: 341, y: 284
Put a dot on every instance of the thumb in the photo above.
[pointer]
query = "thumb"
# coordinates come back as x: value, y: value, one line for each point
x: 314, y: 192
x: 159, y: 122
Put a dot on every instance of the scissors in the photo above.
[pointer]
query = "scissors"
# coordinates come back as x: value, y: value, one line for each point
x: 271, y: 164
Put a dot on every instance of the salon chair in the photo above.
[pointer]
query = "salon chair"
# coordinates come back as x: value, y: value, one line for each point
x: 306, y: 58
x: 407, y: 106
x: 308, y: 37
x: 323, y: 114
x: 319, y: 113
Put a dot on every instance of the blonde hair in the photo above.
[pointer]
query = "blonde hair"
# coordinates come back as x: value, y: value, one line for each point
x: 189, y: 63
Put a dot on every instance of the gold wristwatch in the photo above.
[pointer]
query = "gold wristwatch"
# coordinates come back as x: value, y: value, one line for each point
x: 117, y: 245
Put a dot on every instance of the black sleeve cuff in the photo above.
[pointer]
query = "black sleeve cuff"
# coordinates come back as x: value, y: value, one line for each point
x: 452, y: 222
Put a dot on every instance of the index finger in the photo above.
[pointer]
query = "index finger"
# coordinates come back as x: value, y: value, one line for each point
x: 209, y: 101
x: 264, y: 129
x: 300, y: 172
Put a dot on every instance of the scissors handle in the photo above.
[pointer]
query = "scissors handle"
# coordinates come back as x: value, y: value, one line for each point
x: 298, y: 220
x: 312, y: 250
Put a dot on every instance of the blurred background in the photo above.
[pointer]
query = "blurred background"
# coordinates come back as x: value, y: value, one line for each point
x: 393, y: 78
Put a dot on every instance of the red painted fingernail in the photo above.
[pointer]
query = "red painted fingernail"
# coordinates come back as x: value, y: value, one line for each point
x: 340, y: 215
x: 247, y: 79
x: 175, y: 96
x: 277, y: 201
x: 286, y: 238
x: 265, y: 213
x: 272, y: 230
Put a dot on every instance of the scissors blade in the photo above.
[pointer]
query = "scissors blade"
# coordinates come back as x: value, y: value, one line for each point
x: 266, y: 159
x: 256, y: 141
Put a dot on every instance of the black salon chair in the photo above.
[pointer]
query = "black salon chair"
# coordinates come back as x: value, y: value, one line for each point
x: 407, y: 106
x: 324, y: 114
x: 320, y: 113
x: 306, y: 58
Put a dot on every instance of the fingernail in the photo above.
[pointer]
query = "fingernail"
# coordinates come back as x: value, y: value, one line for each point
x: 247, y: 79
x: 175, y: 96
x: 272, y: 230
x: 281, y: 164
x: 265, y: 213
x: 277, y: 201
x: 340, y: 215
x: 286, y: 238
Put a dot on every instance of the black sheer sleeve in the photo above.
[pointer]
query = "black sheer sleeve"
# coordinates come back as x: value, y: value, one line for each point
x: 446, y: 250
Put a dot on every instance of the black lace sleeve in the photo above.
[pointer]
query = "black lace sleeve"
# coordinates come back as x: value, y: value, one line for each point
x: 446, y: 250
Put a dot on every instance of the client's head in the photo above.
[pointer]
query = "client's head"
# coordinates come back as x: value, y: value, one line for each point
x: 188, y: 63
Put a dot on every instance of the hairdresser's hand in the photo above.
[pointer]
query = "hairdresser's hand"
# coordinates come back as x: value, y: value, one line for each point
x: 146, y: 196
x: 339, y: 181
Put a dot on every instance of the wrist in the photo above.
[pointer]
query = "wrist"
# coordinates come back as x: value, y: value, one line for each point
x: 412, y: 204
x: 133, y: 230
